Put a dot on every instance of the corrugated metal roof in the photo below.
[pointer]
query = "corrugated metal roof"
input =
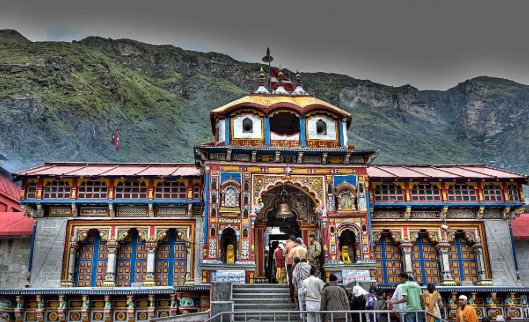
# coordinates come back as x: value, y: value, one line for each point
x: 9, y: 189
x: 110, y: 169
x: 15, y: 224
x: 520, y: 227
x: 452, y: 171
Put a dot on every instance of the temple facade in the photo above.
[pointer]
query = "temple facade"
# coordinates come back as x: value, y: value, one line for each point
x: 120, y: 241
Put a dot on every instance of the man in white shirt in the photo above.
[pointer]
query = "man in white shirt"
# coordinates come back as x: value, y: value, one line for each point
x: 397, y: 295
x: 312, y: 289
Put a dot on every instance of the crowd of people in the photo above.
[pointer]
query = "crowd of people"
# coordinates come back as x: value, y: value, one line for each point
x: 299, y: 265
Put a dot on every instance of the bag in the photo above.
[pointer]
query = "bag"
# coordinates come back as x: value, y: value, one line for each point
x: 371, y: 302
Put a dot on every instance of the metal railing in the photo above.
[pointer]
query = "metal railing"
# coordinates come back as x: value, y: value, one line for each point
x: 295, y: 316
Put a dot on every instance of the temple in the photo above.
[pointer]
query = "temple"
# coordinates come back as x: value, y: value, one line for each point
x: 123, y: 241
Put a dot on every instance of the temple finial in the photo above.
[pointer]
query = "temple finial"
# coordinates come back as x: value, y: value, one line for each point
x: 262, y: 78
x: 299, y: 85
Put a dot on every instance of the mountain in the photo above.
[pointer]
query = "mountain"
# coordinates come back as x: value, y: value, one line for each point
x: 62, y: 101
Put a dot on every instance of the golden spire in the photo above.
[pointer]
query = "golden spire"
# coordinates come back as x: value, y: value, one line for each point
x: 280, y: 76
x: 298, y: 78
x: 261, y: 77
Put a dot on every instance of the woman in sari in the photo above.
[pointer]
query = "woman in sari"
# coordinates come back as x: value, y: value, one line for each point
x: 433, y: 303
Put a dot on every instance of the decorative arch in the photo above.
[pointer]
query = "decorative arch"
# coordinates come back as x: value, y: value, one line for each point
x: 312, y: 187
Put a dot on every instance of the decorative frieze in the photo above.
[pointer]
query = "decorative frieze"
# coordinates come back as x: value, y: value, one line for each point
x: 492, y: 213
x: 171, y: 211
x: 388, y: 214
x: 132, y: 211
x: 461, y: 213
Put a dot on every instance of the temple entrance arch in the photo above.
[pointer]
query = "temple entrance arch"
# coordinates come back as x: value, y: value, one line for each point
x: 285, y: 209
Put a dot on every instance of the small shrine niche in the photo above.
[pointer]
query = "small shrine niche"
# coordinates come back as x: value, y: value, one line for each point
x: 228, y: 244
x: 347, y: 240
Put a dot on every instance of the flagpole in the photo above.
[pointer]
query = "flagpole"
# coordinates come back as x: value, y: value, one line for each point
x: 268, y: 59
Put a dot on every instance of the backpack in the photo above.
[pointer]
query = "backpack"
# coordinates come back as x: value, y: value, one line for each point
x: 371, y: 301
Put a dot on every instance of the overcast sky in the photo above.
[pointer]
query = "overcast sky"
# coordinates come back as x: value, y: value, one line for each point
x: 428, y: 44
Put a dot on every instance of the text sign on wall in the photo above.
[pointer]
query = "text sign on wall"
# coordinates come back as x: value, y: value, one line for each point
x: 237, y: 277
x: 351, y: 275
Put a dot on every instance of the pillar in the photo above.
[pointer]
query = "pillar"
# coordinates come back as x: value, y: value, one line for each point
x: 151, y: 262
x: 482, y: 276
x: 110, y: 277
x: 406, y: 251
x: 72, y: 259
x: 446, y: 274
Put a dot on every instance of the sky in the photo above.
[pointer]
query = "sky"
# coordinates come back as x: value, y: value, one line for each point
x: 427, y: 44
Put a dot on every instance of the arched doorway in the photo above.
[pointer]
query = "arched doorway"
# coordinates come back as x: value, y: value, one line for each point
x: 287, y: 210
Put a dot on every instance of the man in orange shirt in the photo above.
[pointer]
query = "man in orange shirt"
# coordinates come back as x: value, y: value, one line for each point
x: 466, y: 313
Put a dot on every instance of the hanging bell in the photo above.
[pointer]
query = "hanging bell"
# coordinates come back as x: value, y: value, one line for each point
x: 284, y: 211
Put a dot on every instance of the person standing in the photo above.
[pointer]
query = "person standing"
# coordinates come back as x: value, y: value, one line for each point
x: 314, y: 251
x: 334, y: 298
x: 397, y: 295
x: 432, y: 303
x: 279, y: 259
x: 290, y: 244
x: 312, y: 289
x: 412, y: 296
x: 465, y: 313
x: 300, y: 272
x: 299, y: 251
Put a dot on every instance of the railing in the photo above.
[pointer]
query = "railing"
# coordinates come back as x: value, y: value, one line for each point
x: 295, y: 316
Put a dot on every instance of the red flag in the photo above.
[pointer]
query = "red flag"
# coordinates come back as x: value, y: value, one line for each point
x: 287, y: 83
x: 115, y: 139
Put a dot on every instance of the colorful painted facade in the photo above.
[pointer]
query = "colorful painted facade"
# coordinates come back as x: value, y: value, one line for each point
x: 133, y: 241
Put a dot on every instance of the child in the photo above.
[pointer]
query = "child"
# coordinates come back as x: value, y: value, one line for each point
x: 380, y: 304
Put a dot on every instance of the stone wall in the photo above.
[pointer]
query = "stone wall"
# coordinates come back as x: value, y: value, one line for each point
x: 14, y: 260
x: 498, y: 240
x: 522, y: 254
x: 48, y: 252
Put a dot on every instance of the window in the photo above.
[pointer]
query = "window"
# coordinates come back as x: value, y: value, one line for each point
x: 170, y: 190
x: 321, y: 127
x: 247, y: 126
x: 245, y: 213
x: 424, y: 261
x: 92, y: 262
x: 245, y: 233
x: 57, y: 189
x: 389, y: 265
x: 514, y: 193
x: 214, y: 183
x: 171, y: 261
x: 93, y: 190
x: 461, y: 192
x: 346, y: 200
x: 425, y: 192
x: 231, y: 197
x: 492, y: 192
x: 388, y: 192
x: 463, y: 260
x: 196, y: 191
x: 131, y: 190
x: 31, y: 191
x: 213, y: 212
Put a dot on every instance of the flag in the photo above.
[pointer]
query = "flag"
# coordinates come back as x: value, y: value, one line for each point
x: 287, y: 83
x: 115, y: 139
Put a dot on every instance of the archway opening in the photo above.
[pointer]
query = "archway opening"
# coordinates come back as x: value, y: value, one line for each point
x: 348, y: 247
x: 228, y: 244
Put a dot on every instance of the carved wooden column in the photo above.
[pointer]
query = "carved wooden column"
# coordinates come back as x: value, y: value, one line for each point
x: 406, y: 252
x: 72, y: 259
x: 108, y: 308
x: 151, y: 262
x: 19, y: 310
x: 110, y: 277
x: 130, y: 308
x: 85, y: 309
x: 482, y: 277
x: 152, y: 306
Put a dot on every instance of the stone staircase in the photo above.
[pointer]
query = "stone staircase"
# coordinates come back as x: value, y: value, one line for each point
x: 263, y: 300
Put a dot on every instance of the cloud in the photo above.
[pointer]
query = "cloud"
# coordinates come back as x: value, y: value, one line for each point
x: 64, y: 32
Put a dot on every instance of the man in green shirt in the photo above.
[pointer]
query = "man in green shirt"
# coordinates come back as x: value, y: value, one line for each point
x: 412, y: 296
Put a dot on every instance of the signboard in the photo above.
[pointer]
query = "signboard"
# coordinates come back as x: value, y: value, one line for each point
x: 351, y: 275
x: 237, y: 277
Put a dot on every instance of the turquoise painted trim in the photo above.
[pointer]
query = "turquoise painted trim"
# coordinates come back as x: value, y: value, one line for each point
x: 369, y: 216
x: 445, y: 204
x: 227, y: 131
x: 206, y: 205
x: 513, y: 250
x: 303, y: 136
x: 267, y: 130
x: 86, y: 202
x: 341, y: 134
x: 33, y: 234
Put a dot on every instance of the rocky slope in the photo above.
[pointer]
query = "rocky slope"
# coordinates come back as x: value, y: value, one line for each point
x: 62, y: 101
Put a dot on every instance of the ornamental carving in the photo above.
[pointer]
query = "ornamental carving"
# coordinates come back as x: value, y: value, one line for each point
x: 388, y: 214
x: 425, y: 214
x: 461, y: 213
x: 492, y: 213
x: 314, y: 185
